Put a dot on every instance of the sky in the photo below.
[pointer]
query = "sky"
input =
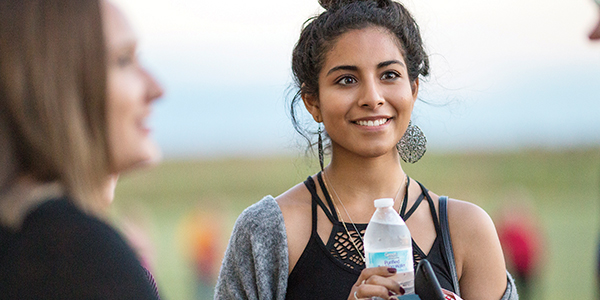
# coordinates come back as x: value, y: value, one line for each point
x: 506, y: 75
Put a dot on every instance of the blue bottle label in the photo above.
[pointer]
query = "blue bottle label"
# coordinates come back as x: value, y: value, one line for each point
x: 401, y: 260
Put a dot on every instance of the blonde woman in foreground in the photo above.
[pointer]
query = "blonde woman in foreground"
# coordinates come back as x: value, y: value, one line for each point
x: 74, y: 101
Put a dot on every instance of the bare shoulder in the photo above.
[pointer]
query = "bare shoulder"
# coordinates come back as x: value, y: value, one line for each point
x: 471, y: 228
x: 478, y: 254
x: 295, y: 205
x: 294, y: 200
x: 469, y: 219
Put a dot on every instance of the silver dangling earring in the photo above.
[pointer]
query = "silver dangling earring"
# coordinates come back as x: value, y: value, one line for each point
x: 320, y: 146
x: 412, y: 145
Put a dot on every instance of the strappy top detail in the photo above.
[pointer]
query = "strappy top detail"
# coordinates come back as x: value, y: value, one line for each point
x: 339, y: 245
x: 331, y: 269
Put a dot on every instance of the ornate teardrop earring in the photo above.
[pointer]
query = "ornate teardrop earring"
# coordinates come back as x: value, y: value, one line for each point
x: 413, y: 144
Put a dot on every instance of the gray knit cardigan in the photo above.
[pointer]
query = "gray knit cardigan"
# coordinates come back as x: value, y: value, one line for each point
x: 256, y: 260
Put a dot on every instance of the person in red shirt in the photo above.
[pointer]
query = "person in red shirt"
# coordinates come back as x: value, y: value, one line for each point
x: 522, y: 244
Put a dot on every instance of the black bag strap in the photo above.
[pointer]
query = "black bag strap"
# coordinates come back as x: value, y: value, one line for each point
x: 448, y: 242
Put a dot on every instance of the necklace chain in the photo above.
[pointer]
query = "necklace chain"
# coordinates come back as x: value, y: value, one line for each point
x: 344, y: 223
x: 348, y: 214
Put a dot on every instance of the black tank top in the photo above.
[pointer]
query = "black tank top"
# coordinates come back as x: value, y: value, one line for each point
x: 328, y: 271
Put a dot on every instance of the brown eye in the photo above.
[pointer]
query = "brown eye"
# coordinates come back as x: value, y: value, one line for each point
x: 127, y: 57
x: 125, y: 60
x: 390, y: 75
x: 346, y: 80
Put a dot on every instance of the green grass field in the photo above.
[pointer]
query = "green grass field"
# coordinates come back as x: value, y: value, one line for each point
x: 563, y: 188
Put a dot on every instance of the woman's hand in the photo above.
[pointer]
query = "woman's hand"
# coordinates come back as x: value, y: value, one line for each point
x: 450, y: 295
x: 376, y: 282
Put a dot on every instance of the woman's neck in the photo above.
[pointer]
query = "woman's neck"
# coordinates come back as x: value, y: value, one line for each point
x: 358, y: 179
x: 22, y: 197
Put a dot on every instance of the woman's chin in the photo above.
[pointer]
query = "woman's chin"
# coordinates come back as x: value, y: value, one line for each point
x: 379, y: 151
x: 150, y: 157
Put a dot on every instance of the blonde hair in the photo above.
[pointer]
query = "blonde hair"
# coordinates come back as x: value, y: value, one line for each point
x: 53, y: 94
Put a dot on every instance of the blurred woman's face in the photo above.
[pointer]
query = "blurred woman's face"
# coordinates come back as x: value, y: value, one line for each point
x: 131, y: 92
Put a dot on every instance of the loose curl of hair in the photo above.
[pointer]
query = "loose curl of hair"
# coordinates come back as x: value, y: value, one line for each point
x: 321, y: 32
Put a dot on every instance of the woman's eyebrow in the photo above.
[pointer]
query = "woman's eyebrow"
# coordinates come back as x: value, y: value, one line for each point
x: 389, y: 62
x: 354, y: 68
x: 343, y: 67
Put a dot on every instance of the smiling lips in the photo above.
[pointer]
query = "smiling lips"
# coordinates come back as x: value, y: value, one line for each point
x: 143, y: 126
x: 372, y: 123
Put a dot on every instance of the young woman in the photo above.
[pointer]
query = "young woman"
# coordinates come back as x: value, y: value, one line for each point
x: 73, y: 105
x: 357, y: 68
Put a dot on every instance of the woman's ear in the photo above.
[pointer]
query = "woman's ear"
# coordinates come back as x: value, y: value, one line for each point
x: 415, y: 89
x: 311, y: 102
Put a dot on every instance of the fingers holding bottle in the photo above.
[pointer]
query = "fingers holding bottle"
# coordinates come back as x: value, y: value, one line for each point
x: 376, y: 282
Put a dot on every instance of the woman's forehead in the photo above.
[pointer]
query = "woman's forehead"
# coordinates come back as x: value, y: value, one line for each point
x: 117, y: 29
x: 363, y: 45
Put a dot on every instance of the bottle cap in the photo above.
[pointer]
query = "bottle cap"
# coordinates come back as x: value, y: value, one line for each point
x: 384, y: 202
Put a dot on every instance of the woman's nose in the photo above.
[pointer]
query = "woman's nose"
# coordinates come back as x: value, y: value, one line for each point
x: 155, y: 90
x: 371, y: 96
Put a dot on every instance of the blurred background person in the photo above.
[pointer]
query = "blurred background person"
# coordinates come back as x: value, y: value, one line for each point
x: 74, y: 101
x: 201, y: 240
x: 595, y: 34
x: 522, y: 239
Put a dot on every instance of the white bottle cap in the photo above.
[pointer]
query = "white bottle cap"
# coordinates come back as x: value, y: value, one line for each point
x: 384, y: 202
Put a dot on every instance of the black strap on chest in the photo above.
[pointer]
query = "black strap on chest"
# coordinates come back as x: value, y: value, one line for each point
x: 449, y: 252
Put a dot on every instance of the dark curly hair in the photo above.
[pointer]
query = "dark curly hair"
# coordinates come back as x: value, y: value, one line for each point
x: 321, y: 32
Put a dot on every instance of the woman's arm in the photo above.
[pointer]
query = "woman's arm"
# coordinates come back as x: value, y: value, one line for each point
x: 479, y: 260
x: 256, y: 260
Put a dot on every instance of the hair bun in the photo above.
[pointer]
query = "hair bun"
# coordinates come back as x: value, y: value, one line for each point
x: 329, y: 4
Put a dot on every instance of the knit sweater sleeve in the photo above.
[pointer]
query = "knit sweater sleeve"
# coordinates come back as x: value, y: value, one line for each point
x: 511, y: 289
x: 256, y: 264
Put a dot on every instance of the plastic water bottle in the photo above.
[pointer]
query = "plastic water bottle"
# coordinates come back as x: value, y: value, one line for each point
x: 388, y: 243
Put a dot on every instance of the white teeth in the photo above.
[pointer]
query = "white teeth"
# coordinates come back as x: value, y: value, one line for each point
x: 372, y: 123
